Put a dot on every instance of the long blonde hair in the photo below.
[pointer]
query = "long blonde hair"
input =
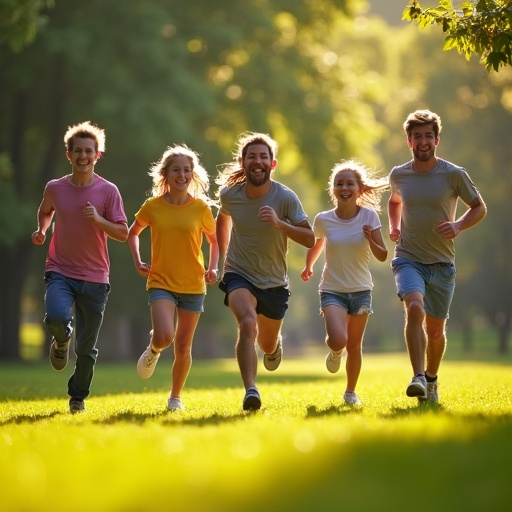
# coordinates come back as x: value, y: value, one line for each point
x: 370, y: 188
x: 200, y: 183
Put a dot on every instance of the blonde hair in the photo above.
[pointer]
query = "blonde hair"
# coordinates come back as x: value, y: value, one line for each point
x: 85, y: 130
x: 233, y: 172
x: 370, y: 188
x: 200, y: 183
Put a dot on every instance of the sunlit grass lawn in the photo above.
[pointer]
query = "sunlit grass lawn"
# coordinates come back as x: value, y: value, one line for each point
x: 304, y: 451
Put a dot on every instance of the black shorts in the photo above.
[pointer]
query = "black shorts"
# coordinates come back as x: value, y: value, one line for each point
x: 270, y: 302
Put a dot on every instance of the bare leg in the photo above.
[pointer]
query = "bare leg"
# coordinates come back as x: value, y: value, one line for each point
x: 243, y: 305
x: 415, y: 337
x: 185, y: 329
x: 356, y: 328
x: 436, y: 346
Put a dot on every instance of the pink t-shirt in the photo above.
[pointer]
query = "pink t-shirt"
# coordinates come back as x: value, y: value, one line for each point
x: 78, y: 247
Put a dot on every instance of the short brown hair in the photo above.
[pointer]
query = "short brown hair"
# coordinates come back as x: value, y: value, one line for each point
x: 420, y: 118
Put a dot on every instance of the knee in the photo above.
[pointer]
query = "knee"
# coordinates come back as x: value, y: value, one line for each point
x: 248, y: 327
x: 415, y: 311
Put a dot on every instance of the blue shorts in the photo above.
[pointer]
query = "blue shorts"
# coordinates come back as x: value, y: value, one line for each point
x: 435, y: 281
x: 270, y: 302
x: 192, y: 302
x: 356, y: 303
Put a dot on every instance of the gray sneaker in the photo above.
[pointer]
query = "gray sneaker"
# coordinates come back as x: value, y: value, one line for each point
x: 333, y: 361
x: 146, y: 363
x: 59, y: 355
x: 76, y: 405
x: 417, y: 387
x: 175, y: 404
x: 432, y: 394
x: 351, y: 398
x: 272, y: 361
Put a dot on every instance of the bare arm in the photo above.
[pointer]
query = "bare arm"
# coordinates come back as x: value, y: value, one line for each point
x: 116, y: 230
x: 473, y: 215
x: 45, y: 215
x: 133, y: 243
x: 311, y: 257
x: 394, y: 214
x: 376, y: 242
x: 211, y: 275
x: 300, y: 233
x: 223, y: 231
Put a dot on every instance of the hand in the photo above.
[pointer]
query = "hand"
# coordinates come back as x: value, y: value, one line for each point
x: 267, y: 214
x: 306, y: 274
x: 367, y: 232
x: 90, y: 211
x: 38, y: 237
x: 447, y: 229
x: 143, y: 269
x: 394, y: 235
x: 211, y: 276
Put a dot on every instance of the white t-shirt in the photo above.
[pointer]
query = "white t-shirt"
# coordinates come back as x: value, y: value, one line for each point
x: 347, y: 251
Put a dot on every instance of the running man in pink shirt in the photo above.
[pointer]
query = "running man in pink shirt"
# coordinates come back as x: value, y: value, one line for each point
x: 88, y: 210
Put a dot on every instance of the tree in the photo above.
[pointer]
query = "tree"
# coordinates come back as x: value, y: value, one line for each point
x: 481, y: 27
x: 21, y: 20
x: 152, y: 74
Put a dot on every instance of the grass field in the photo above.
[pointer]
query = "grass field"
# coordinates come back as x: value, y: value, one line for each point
x: 304, y: 451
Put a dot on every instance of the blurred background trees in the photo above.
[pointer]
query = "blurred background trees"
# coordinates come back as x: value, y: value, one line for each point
x: 328, y: 80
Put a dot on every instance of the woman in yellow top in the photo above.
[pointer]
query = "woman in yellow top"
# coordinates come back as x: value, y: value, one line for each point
x: 178, y: 214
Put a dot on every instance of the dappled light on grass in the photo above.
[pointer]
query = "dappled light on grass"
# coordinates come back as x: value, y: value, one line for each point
x: 305, y: 450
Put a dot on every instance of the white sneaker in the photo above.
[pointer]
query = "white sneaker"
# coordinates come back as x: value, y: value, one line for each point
x: 417, y: 387
x: 175, y: 404
x: 146, y: 363
x: 333, y: 361
x: 272, y: 361
x: 351, y: 398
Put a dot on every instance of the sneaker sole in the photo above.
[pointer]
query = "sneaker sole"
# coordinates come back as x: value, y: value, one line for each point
x: 252, y: 403
x: 413, y: 390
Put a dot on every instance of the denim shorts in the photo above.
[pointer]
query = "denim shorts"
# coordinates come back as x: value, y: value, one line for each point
x: 270, y: 302
x: 193, y: 302
x: 357, y: 303
x: 435, y: 281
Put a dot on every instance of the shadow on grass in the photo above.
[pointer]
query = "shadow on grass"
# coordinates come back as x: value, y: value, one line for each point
x: 172, y: 418
x: 334, y: 410
x: 30, y: 418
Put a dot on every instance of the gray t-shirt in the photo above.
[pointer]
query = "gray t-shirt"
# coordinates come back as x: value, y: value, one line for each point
x: 257, y: 250
x: 429, y: 198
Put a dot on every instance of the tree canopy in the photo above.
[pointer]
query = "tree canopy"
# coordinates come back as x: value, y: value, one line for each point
x: 475, y: 27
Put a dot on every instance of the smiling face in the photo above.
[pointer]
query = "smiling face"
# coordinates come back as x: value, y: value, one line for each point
x: 179, y: 173
x: 423, y: 142
x: 83, y: 155
x: 345, y: 188
x: 258, y: 164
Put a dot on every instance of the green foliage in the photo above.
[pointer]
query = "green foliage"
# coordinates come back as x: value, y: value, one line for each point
x: 292, y: 455
x: 481, y: 27
x: 21, y: 20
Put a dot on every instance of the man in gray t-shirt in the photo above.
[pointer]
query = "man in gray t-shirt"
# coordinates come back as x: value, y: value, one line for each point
x: 256, y: 219
x: 422, y: 209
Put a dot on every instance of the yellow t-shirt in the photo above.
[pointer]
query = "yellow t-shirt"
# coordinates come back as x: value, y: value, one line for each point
x: 177, y: 262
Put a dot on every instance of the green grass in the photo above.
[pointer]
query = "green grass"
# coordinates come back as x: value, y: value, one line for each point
x: 304, y: 451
